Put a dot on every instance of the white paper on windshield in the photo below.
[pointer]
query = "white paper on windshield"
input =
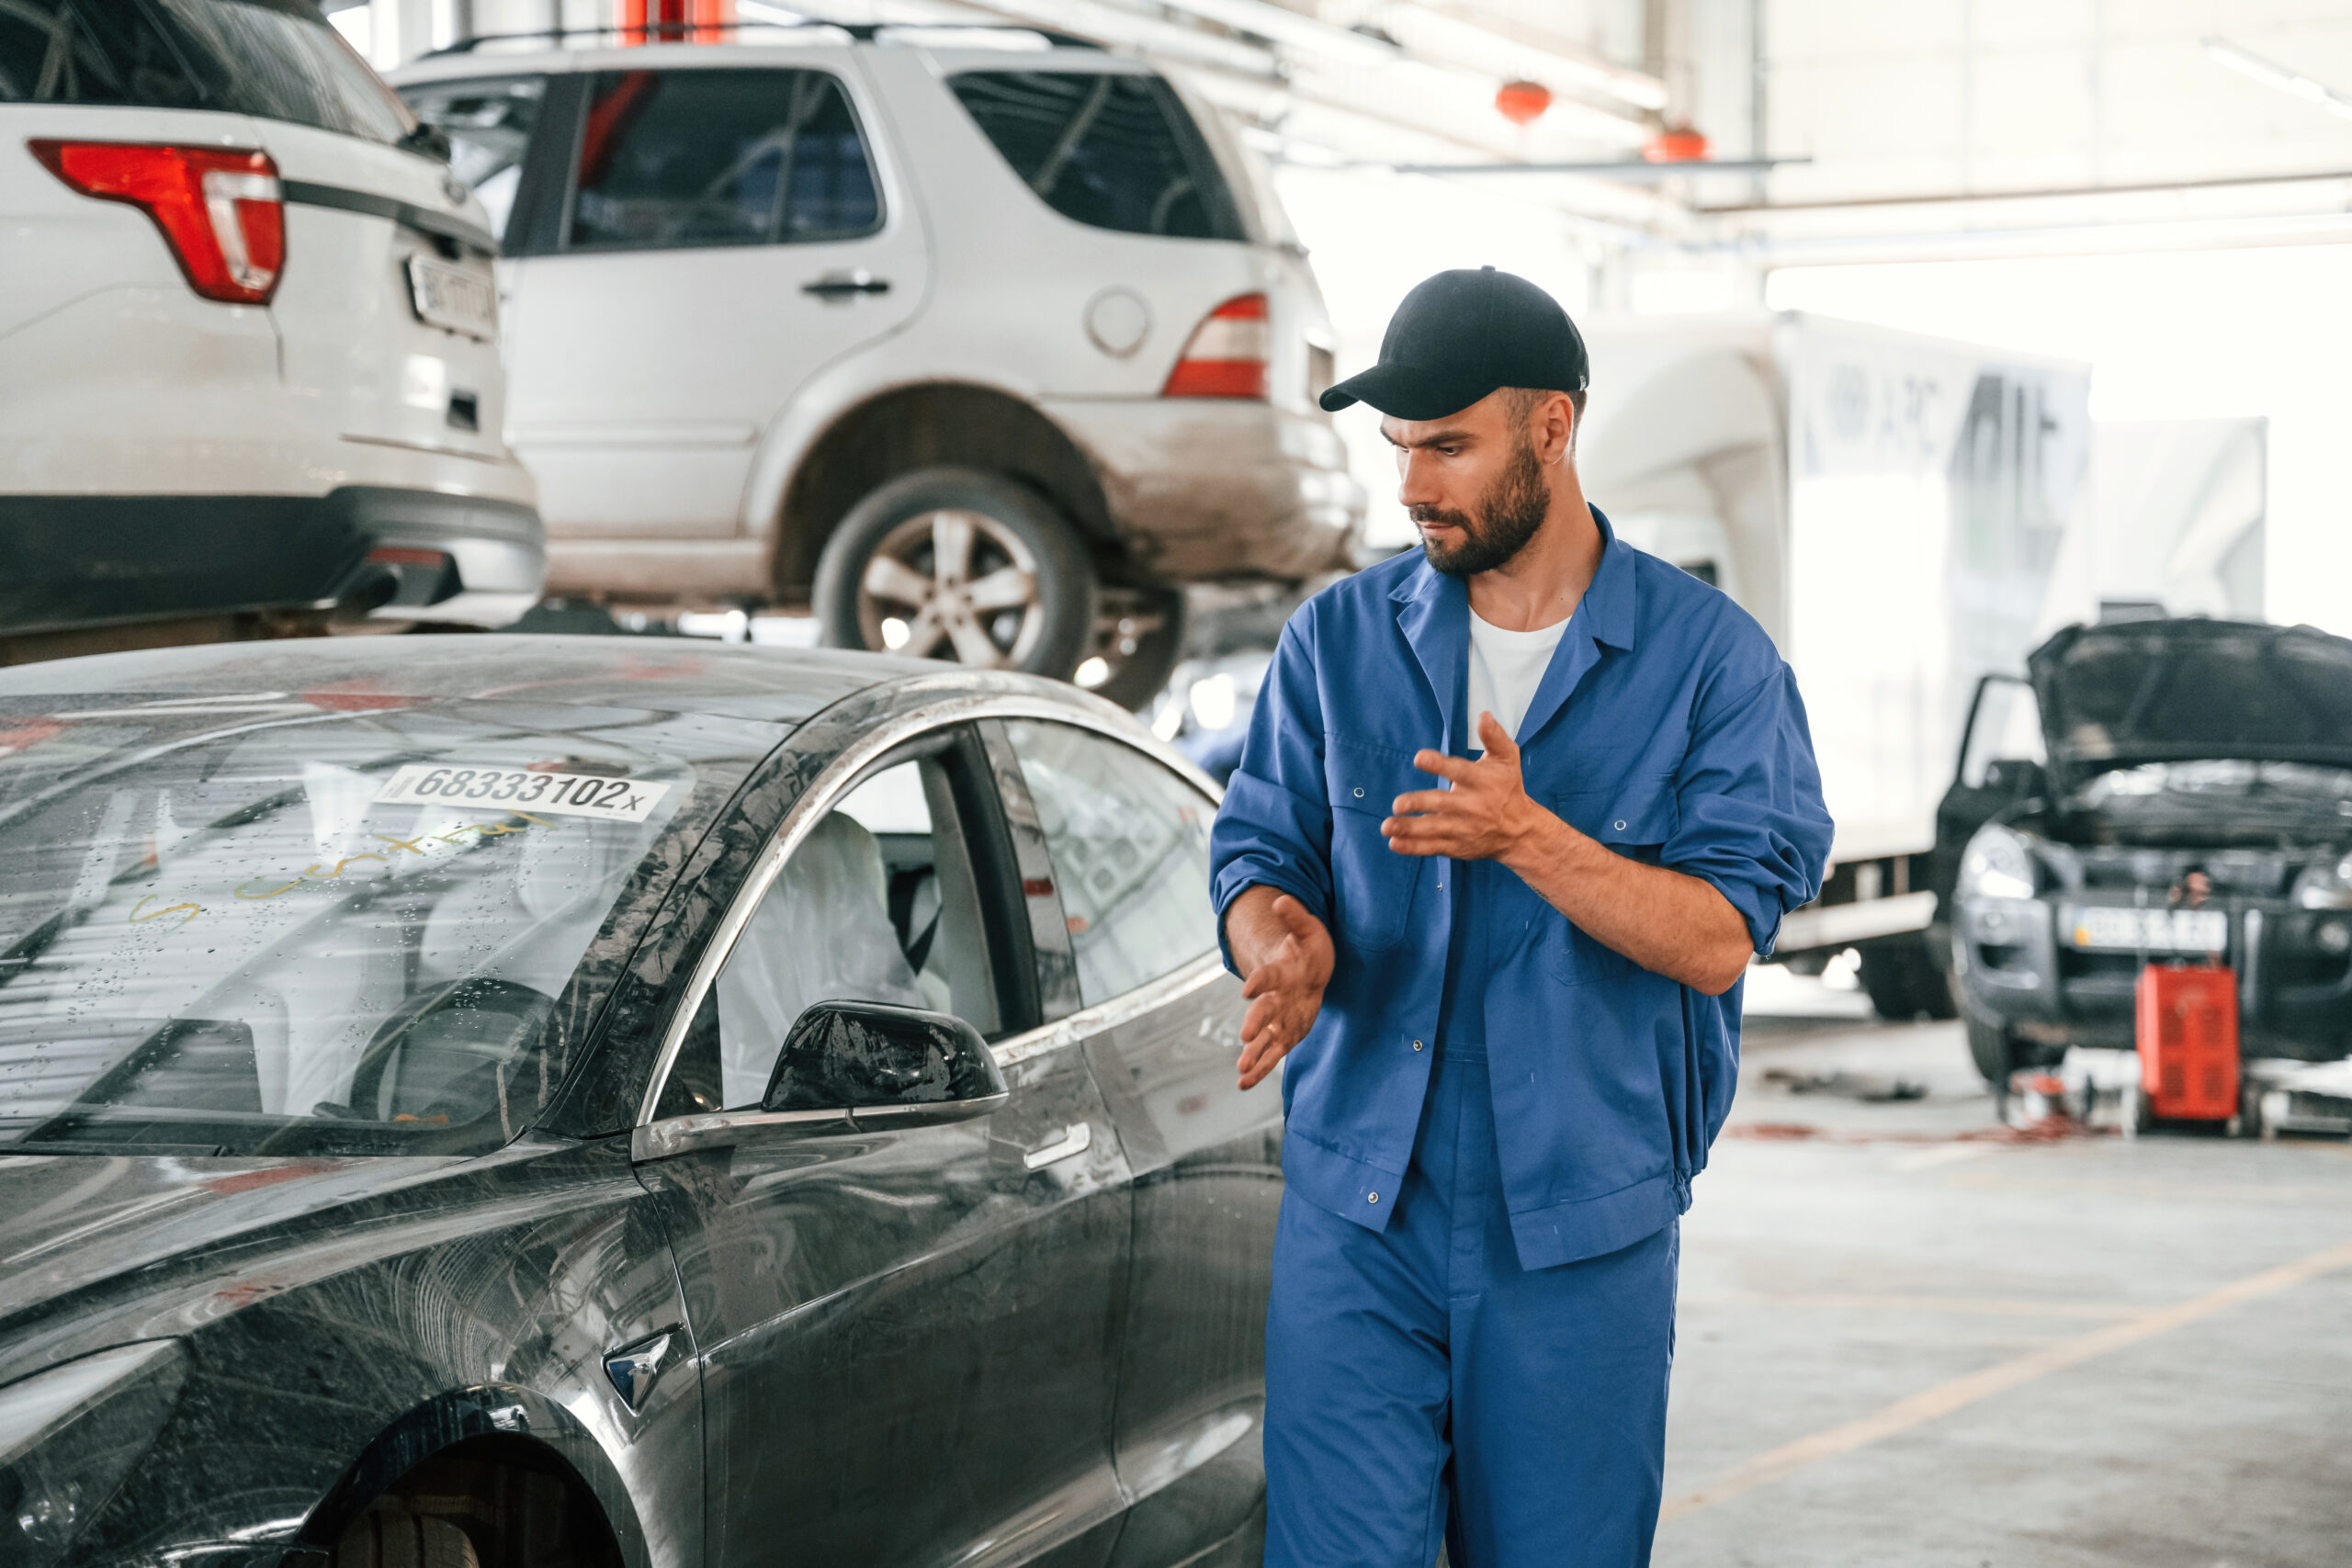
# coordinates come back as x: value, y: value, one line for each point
x: 522, y: 789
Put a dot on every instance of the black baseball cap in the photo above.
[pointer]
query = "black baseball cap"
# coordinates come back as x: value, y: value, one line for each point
x: 1460, y: 335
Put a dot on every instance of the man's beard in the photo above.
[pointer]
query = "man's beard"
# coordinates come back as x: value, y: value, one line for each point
x: 1509, y: 512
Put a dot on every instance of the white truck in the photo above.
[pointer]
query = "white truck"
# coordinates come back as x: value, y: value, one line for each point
x: 1894, y: 509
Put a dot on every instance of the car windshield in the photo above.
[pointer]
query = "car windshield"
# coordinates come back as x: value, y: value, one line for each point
x: 274, y: 58
x: 244, y: 925
x: 2175, y: 690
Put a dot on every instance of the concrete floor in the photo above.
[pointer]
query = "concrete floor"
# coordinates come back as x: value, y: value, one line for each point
x: 1904, y: 1341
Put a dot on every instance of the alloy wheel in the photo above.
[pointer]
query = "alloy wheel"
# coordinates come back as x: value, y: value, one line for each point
x: 955, y: 576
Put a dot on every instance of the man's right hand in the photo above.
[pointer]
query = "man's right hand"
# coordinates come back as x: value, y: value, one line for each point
x: 1285, y: 955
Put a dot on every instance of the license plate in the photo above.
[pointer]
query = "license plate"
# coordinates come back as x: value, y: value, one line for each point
x: 453, y: 297
x: 2149, y: 930
x: 522, y: 790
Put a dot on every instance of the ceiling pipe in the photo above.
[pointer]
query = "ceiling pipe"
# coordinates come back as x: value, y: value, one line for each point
x: 2046, y: 193
x: 2277, y: 77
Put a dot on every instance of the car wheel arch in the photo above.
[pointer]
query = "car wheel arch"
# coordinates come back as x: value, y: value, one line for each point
x: 930, y: 424
x: 500, y: 1425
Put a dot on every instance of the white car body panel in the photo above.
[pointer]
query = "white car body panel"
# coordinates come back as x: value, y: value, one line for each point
x: 665, y: 445
x: 118, y: 382
x: 631, y: 422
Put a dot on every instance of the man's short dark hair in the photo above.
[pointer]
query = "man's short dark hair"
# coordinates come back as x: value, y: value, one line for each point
x: 1520, y: 401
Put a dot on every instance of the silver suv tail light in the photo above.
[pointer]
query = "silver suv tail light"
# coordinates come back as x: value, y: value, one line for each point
x: 1225, y: 356
x: 221, y: 210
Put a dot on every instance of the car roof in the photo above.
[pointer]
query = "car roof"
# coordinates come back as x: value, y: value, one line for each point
x: 949, y: 48
x: 673, y: 674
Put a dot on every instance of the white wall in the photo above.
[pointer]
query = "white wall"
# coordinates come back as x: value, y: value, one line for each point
x: 1937, y: 96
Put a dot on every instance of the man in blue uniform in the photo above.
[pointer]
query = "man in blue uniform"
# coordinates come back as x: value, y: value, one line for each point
x: 1514, y: 813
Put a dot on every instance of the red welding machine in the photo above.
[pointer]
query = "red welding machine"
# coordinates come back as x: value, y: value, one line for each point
x: 2186, y: 1019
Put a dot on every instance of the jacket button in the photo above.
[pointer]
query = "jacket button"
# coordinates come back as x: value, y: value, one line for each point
x: 1621, y: 823
x: 1373, y: 1199
x: 1359, y: 792
x: 1417, y: 1044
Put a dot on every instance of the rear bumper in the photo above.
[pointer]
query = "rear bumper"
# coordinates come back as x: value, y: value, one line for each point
x: 462, y: 558
x: 2294, y: 996
x: 85, y: 560
x: 1210, y: 488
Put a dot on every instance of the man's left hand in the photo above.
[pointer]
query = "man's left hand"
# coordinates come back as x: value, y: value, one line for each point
x: 1486, y: 816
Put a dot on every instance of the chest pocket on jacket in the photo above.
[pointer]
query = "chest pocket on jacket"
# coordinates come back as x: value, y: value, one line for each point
x: 1634, y: 819
x: 1373, y: 886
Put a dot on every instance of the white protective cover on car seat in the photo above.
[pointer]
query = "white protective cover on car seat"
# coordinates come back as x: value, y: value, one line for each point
x: 822, y: 933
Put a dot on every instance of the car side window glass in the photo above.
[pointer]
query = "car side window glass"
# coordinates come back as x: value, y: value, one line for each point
x: 878, y: 904
x: 2007, y: 728
x: 1109, y: 149
x: 489, y: 125
x: 736, y: 157
x: 1130, y: 845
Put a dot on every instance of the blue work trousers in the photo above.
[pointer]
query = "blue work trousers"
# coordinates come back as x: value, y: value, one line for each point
x: 1421, y: 1385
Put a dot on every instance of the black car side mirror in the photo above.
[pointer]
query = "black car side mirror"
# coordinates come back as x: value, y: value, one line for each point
x: 2016, y: 778
x: 885, y: 1066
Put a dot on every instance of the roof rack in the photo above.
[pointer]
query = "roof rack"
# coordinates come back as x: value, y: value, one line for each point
x: 682, y: 32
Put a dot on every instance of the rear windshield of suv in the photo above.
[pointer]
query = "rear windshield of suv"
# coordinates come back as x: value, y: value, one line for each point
x: 272, y: 59
x: 1110, y: 150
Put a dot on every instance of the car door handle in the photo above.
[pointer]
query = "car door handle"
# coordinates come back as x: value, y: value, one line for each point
x: 1076, y: 1139
x: 842, y: 285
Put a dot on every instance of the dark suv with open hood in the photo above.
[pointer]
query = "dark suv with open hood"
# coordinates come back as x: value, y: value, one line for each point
x: 2183, y: 791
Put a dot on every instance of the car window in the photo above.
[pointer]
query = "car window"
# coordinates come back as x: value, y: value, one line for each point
x: 1130, y: 845
x: 1110, y: 150
x: 878, y: 904
x: 274, y: 58
x: 259, y: 927
x: 2007, y: 727
x: 675, y: 158
x: 489, y: 125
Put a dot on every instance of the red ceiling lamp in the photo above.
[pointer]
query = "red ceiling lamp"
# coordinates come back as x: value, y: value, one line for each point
x: 1675, y: 144
x: 669, y: 21
x: 1522, y: 103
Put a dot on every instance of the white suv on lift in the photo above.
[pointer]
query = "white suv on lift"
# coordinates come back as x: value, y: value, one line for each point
x: 981, y: 350
x: 247, y: 337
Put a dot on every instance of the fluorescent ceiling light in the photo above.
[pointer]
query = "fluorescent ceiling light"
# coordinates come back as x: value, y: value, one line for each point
x: 2277, y: 77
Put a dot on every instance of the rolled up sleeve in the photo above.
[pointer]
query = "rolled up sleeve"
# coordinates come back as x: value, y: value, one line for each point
x: 1751, y: 820
x: 1274, y: 827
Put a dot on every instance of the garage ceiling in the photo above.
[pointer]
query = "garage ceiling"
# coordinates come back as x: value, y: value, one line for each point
x: 1924, y: 128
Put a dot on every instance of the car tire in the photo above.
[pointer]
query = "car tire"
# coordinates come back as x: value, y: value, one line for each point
x: 1142, y: 646
x: 1004, y: 532
x: 394, y: 1537
x: 1993, y: 1052
x: 1905, y: 978
x: 2133, y: 1113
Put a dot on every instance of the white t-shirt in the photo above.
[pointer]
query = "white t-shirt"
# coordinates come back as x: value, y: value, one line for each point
x: 1505, y: 669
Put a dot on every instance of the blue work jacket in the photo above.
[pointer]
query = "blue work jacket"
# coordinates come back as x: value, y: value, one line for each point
x: 1667, y: 727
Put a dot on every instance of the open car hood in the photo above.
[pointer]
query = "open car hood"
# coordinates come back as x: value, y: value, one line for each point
x: 2162, y: 691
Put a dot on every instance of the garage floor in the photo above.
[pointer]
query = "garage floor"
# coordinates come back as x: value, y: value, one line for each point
x: 1903, y: 1344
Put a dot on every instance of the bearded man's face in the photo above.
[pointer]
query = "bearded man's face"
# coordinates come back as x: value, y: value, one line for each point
x: 1506, y: 515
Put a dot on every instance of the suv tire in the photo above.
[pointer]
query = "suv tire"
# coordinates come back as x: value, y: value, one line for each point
x: 1903, y: 979
x: 1994, y: 1053
x: 1140, y: 673
x: 1022, y: 589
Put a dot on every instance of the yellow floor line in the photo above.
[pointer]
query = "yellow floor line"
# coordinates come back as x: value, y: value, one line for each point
x: 1959, y: 1392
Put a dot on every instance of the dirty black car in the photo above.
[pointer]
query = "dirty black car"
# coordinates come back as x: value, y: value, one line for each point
x: 502, y: 1101
x: 2170, y: 790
